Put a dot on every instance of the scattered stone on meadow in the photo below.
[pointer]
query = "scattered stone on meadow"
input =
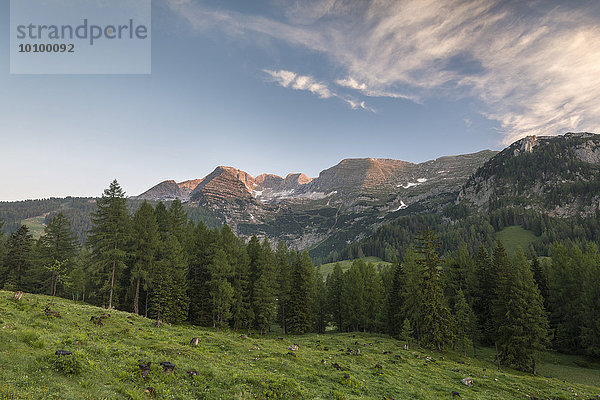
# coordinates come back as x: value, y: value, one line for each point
x: 323, y: 361
x: 63, y: 353
x: 387, y: 352
x: 167, y: 367
x: 336, y: 366
x: 291, y: 353
x: 378, y: 366
x: 293, y: 347
x: 280, y: 338
x: 192, y: 373
x: 455, y: 394
x: 195, y: 341
x: 398, y: 356
x: 357, y: 352
x: 461, y: 362
x: 346, y: 376
x: 150, y: 390
x: 18, y: 295
x: 96, y: 320
x: 78, y: 343
x: 158, y: 323
x: 244, y: 336
x: 468, y: 382
x: 406, y: 346
x: 325, y: 348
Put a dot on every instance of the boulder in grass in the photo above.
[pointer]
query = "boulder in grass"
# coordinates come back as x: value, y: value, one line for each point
x: 195, y: 341
x: 468, y: 382
x: 17, y: 296
x: 62, y: 353
x: 192, y: 373
x: 293, y: 347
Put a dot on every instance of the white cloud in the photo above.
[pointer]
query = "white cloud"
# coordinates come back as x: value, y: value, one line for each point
x: 534, y: 67
x: 292, y: 80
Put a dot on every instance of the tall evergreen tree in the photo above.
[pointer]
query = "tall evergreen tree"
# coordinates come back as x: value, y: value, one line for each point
x: 265, y: 289
x: 591, y: 303
x: 412, y: 291
x: 335, y: 282
x: 466, y: 323
x: 299, y: 316
x: 320, y: 308
x: 108, y: 237
x: 221, y: 292
x: 394, y: 300
x: 18, y: 259
x: 145, y: 244
x: 58, y: 248
x: 283, y: 277
x: 436, y: 320
x: 523, y: 329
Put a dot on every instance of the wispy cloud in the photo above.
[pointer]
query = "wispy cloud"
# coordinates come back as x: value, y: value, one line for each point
x: 292, y: 80
x: 534, y: 67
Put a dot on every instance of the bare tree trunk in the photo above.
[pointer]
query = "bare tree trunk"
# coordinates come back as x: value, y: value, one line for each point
x: 137, y: 297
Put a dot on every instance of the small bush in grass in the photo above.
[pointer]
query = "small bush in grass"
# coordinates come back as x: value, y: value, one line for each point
x: 66, y: 365
x: 31, y: 339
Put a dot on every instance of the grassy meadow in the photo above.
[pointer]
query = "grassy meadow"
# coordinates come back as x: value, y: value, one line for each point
x: 227, y: 365
x: 513, y: 237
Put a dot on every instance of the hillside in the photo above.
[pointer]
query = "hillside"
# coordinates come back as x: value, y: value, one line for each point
x: 105, y: 359
x: 557, y: 175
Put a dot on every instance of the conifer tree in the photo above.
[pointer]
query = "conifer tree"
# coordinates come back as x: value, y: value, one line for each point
x: 591, y: 303
x: 178, y: 221
x: 145, y: 243
x: 202, y: 244
x: 482, y: 308
x: 299, y: 315
x: 221, y: 292
x: 335, y: 282
x: 265, y: 288
x: 18, y: 258
x: 412, y: 290
x: 283, y: 276
x: 466, y: 323
x: 436, y: 320
x: 541, y: 279
x: 108, y: 237
x: 394, y: 300
x: 162, y: 219
x: 406, y: 332
x: 320, y: 308
x: 523, y: 330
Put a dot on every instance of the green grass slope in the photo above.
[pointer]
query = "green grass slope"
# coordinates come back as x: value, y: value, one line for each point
x: 36, y: 225
x: 513, y: 237
x: 104, y: 363
x: 327, y: 269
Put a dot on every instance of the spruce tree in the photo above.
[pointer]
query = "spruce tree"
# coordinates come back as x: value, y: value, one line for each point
x: 18, y: 258
x: 406, y: 332
x: 145, y: 243
x: 221, y: 292
x: 436, y: 320
x: 320, y: 308
x: 590, y: 338
x: 523, y: 330
x: 108, y: 237
x: 394, y: 300
x: 335, y: 283
x: 283, y: 277
x: 299, y: 315
x: 466, y: 323
x: 265, y: 288
x: 412, y: 290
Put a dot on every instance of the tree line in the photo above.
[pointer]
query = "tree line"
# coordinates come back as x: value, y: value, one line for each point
x: 158, y: 263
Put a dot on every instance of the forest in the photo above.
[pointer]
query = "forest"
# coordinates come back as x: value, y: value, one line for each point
x: 440, y: 293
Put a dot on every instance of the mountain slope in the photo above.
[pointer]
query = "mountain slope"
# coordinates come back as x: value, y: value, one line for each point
x: 345, y: 202
x: 104, y: 362
x: 558, y: 175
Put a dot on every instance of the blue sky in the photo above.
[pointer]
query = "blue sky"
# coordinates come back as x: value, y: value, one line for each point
x: 282, y: 86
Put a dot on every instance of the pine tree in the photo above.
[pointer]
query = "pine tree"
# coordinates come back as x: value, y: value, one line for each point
x: 412, y: 291
x: 541, y: 279
x: 283, y: 276
x: 436, y: 320
x: 265, y: 288
x: 406, y: 332
x: 320, y: 309
x: 591, y: 303
x: 145, y: 243
x: 482, y: 308
x: 168, y: 299
x: 394, y: 300
x: 523, y: 330
x: 162, y: 219
x: 58, y: 248
x: 202, y: 244
x: 335, y: 282
x: 109, y: 235
x: 466, y: 323
x: 18, y: 258
x: 178, y: 221
x: 299, y: 316
x: 221, y: 292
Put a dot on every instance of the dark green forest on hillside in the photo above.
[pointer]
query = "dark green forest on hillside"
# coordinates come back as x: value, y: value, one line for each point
x: 159, y: 263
